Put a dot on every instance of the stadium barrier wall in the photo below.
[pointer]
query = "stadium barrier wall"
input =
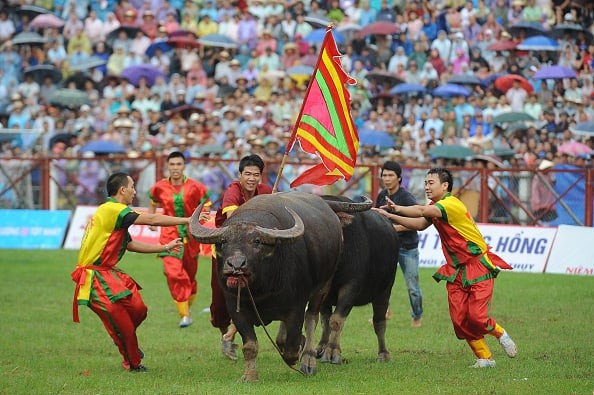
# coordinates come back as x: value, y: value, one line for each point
x: 33, y: 229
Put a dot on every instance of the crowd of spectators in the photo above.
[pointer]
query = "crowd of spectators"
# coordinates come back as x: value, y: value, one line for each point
x: 226, y: 100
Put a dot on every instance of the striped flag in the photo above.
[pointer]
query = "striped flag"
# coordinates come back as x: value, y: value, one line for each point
x: 325, y: 126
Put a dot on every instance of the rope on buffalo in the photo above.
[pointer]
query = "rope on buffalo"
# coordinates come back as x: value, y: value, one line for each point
x: 263, y: 326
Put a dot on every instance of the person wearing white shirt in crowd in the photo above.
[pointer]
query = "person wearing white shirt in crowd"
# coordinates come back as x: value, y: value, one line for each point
x: 29, y: 88
x: 443, y: 45
x: 428, y: 74
x: 161, y: 61
x: 228, y: 27
x: 435, y: 123
x: 302, y: 27
x: 573, y: 92
x: 72, y: 26
x: 7, y: 27
x: 398, y: 57
x: 533, y: 107
x: 94, y: 28
x: 288, y: 25
x: 458, y: 43
x: 110, y: 24
x: 258, y: 9
x: 516, y: 96
x: 57, y: 54
x: 140, y: 43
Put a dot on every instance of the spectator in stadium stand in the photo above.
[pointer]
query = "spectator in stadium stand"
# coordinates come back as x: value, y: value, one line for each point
x: 97, y: 276
x: 179, y: 196
x: 470, y: 267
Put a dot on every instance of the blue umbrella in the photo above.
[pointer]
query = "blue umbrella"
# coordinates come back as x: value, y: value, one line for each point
x: 554, y: 73
x: 585, y: 129
x: 147, y: 71
x: 317, y: 36
x: 162, y: 45
x: 103, y: 147
x: 449, y: 90
x: 375, y: 137
x: 530, y: 29
x: 539, y: 43
x: 88, y: 63
x: 465, y: 79
x: 402, y: 89
x: 491, y: 79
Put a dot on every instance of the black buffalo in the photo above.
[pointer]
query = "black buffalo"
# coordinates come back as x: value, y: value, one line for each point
x: 283, y: 249
x: 364, y: 275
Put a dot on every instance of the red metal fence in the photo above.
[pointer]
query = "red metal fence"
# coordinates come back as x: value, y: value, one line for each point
x: 506, y: 196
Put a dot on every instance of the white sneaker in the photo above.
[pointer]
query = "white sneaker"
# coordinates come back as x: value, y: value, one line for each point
x: 185, y: 322
x: 508, y: 345
x: 484, y: 363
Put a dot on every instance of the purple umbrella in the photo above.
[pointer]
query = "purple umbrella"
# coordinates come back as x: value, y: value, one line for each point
x: 146, y: 71
x: 554, y: 73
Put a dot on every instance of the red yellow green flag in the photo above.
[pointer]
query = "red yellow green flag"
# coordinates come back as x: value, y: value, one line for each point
x: 325, y: 126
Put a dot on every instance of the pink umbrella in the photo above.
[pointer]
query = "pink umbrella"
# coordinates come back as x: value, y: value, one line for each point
x: 574, y: 148
x: 46, y: 20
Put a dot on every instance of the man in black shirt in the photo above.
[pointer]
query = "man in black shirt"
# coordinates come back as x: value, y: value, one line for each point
x: 408, y: 259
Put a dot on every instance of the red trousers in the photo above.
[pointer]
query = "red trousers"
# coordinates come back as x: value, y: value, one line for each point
x: 219, y: 316
x: 181, y: 275
x: 121, y: 318
x: 470, y: 308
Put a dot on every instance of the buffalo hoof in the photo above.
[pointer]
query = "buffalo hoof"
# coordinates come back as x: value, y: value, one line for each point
x: 308, y: 364
x: 251, y: 377
x: 332, y: 355
x: 320, y: 351
x: 383, y: 357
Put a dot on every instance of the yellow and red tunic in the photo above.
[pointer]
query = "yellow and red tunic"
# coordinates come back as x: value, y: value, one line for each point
x: 233, y: 198
x: 103, y: 245
x: 463, y: 245
x: 179, y: 201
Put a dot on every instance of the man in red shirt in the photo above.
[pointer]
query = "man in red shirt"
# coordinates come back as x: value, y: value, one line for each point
x: 179, y: 196
x: 240, y: 191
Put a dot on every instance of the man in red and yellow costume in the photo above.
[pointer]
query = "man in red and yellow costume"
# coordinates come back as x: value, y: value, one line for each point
x: 103, y: 287
x: 179, y: 196
x: 470, y: 267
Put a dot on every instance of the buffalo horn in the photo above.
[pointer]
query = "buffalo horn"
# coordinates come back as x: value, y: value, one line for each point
x: 350, y: 207
x: 201, y: 233
x: 270, y: 236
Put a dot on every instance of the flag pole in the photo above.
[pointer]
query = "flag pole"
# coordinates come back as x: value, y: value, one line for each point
x: 291, y: 141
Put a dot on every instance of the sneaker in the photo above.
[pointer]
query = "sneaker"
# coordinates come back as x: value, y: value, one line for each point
x: 508, y: 345
x: 229, y: 349
x: 416, y: 322
x: 139, y: 369
x: 484, y: 363
x: 185, y: 322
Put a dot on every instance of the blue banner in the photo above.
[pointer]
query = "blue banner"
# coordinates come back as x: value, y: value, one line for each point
x: 33, y: 229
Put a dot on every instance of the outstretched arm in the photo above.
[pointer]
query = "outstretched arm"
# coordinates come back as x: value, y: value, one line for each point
x: 139, y: 246
x: 409, y: 223
x: 160, y: 220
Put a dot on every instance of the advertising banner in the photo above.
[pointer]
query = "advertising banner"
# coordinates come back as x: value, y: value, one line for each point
x: 523, y: 247
x: 572, y: 252
x: 33, y: 229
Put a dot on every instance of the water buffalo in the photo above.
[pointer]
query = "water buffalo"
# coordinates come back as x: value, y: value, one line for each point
x: 364, y: 275
x: 282, y: 249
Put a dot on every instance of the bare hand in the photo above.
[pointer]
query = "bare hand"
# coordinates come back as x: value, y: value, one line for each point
x: 174, y: 246
x: 381, y: 211
x: 390, y: 205
x: 204, y: 216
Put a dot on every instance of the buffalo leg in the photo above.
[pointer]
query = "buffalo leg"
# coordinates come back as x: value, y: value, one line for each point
x: 281, y: 336
x: 308, y: 356
x: 380, y: 306
x: 325, y: 319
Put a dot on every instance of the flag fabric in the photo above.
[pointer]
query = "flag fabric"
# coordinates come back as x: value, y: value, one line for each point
x: 325, y: 126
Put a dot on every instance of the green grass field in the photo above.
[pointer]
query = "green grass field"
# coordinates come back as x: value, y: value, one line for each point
x: 43, y: 352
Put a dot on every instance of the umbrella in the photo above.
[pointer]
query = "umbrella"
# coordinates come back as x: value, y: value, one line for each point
x: 317, y: 36
x: 506, y: 45
x: 379, y: 28
x: 69, y: 98
x: 539, y: 43
x: 375, y: 137
x: 88, y: 63
x: 489, y: 158
x: 451, y: 151
x: 554, y: 73
x: 182, y: 33
x: 300, y: 73
x: 530, y: 29
x: 32, y: 10
x: 162, y: 45
x: 103, y: 147
x: 402, y: 89
x: 583, y: 129
x: 465, y: 79
x: 40, y: 71
x: 571, y: 29
x: 79, y: 79
x: 316, y: 23
x: 449, y: 90
x: 28, y: 38
x: 503, y: 152
x: 183, y: 41
x: 383, y: 77
x: 146, y: 71
x: 512, y: 117
x: 210, y: 149
x: 46, y: 20
x: 217, y: 40
x: 491, y: 79
x: 574, y: 148
x: 349, y: 30
x: 505, y: 82
x: 185, y: 110
x: 130, y: 31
